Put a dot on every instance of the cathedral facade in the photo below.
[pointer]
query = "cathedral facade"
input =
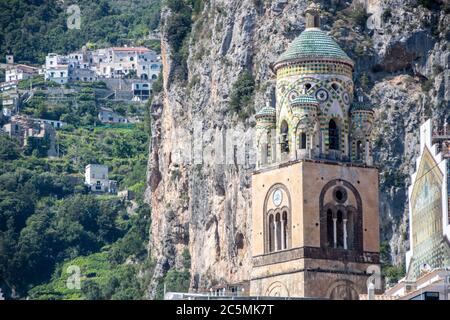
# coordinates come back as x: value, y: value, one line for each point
x: 315, y: 229
x: 429, y: 202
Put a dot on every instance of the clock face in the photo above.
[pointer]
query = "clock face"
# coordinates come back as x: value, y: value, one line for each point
x: 322, y: 95
x: 277, y: 197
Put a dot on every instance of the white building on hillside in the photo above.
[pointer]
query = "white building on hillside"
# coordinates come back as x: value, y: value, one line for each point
x: 96, y: 177
x: 117, y: 62
x: 54, y: 123
x: 19, y: 72
x: 57, y: 68
x: 109, y: 116
x: 430, y: 285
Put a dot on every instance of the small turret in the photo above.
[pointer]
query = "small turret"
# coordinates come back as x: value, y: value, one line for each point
x: 312, y: 14
x: 362, y: 117
x: 305, y: 106
x: 265, y: 124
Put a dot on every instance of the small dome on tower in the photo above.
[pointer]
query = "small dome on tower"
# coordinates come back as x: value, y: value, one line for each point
x: 304, y: 100
x: 267, y: 112
x: 313, y: 43
x: 360, y: 104
x: 305, y: 105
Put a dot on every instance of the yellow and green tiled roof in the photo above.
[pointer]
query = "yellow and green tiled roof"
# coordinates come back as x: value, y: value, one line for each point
x: 266, y: 111
x: 363, y: 106
x: 314, y: 43
x: 304, y: 99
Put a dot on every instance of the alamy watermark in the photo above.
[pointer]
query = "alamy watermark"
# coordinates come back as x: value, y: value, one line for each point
x: 74, y: 280
x: 74, y: 18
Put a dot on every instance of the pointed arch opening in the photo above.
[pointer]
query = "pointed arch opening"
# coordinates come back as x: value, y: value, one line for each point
x: 284, y: 132
x: 302, y: 141
x: 333, y: 135
x: 359, y: 150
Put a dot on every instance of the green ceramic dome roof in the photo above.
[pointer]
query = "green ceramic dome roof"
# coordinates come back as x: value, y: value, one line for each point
x: 314, y: 43
x: 358, y: 106
x: 266, y: 111
x: 304, y: 99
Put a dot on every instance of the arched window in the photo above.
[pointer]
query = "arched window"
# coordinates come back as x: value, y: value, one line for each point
x: 271, y: 234
x: 302, y: 140
x: 307, y: 87
x: 335, y: 87
x: 342, y: 216
x: 339, y: 229
x: 359, y: 150
x: 284, y: 230
x: 277, y: 220
x: 316, y: 21
x: 350, y: 227
x: 333, y: 135
x: 284, y: 137
x: 330, y: 228
x: 277, y: 232
x: 269, y: 146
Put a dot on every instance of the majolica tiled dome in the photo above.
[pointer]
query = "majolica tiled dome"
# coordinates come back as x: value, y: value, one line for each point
x: 266, y: 112
x: 313, y: 43
x: 304, y: 99
x: 361, y: 106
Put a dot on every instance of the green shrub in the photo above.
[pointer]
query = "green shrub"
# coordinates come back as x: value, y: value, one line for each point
x: 387, y: 14
x: 157, y: 85
x: 427, y: 85
x: 37, y: 146
x: 242, y: 94
x: 9, y: 148
x: 358, y: 15
x: 186, y: 259
x: 177, y: 281
x: 393, y: 274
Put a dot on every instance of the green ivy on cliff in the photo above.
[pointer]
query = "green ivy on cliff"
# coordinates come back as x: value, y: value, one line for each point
x: 177, y: 31
x: 242, y: 95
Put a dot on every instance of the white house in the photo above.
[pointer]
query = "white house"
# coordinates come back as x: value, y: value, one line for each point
x: 96, y: 177
x: 108, y: 116
x: 57, y: 68
x: 20, y: 72
x: 115, y: 62
x: 118, y: 62
x: 59, y: 74
x: 8, y: 86
x: 141, y: 90
x: 7, y: 112
x: 54, y: 123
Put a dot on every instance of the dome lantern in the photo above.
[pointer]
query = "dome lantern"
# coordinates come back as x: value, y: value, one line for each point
x: 312, y: 14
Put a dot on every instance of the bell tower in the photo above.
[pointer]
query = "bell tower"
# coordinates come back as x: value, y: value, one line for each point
x: 315, y: 190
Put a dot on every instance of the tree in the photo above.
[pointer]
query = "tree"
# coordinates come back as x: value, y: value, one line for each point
x: 91, y: 290
x: 9, y: 148
x: 177, y: 281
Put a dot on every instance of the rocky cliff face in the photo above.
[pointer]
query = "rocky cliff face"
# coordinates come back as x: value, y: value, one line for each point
x: 401, y: 59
